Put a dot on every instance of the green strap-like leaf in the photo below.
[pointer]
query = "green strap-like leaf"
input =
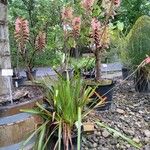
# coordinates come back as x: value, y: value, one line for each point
x: 130, y: 141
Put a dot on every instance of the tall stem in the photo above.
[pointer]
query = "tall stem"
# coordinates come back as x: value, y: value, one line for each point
x: 98, y: 64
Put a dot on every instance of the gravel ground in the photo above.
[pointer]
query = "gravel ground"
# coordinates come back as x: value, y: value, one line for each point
x: 130, y: 114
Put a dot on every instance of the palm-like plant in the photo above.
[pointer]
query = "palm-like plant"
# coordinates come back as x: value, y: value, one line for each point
x: 67, y: 98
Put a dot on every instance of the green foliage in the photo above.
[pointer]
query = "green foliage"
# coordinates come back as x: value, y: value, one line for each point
x: 131, y: 10
x: 138, y: 41
x: 67, y: 97
x: 85, y: 63
x: 118, y: 44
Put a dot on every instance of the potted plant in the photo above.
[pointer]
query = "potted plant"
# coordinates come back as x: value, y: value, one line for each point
x: 138, y: 45
x: 62, y: 126
x: 85, y: 66
x: 64, y: 114
x: 27, y: 51
x: 99, y: 36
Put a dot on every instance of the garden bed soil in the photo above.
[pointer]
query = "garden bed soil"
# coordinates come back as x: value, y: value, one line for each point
x: 21, y: 94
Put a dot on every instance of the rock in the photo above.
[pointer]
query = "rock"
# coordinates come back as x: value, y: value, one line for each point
x: 120, y: 111
x: 118, y: 145
x: 95, y: 139
x: 105, y: 148
x: 105, y: 133
x: 115, y: 135
x: 128, y: 145
x: 141, y: 112
x: 147, y: 147
x: 99, y: 133
x: 146, y: 139
x: 128, y: 131
x: 136, y: 139
x: 147, y: 133
x: 95, y: 145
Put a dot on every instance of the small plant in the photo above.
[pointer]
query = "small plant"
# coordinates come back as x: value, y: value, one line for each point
x: 84, y: 64
x: 67, y: 99
x: 28, y: 53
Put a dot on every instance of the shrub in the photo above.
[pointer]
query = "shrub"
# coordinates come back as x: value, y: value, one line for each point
x: 138, y: 41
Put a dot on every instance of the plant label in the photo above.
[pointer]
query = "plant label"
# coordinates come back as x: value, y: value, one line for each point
x: 7, y: 72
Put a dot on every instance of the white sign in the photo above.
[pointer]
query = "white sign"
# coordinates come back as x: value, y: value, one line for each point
x: 7, y: 72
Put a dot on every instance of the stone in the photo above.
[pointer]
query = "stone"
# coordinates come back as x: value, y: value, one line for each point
x: 147, y: 147
x: 146, y: 139
x: 115, y: 135
x: 95, y: 145
x: 120, y: 111
x: 136, y: 139
x: 147, y: 133
x: 105, y: 148
x: 95, y: 139
x: 105, y: 133
x: 118, y: 145
x: 128, y: 145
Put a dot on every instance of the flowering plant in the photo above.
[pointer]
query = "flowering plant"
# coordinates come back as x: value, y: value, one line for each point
x: 100, y: 32
x: 89, y: 25
x: 71, y: 28
x: 22, y: 38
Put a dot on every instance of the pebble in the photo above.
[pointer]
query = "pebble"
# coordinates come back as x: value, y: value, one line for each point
x: 147, y: 133
x: 120, y: 111
x: 95, y: 145
x: 105, y: 133
x: 136, y: 139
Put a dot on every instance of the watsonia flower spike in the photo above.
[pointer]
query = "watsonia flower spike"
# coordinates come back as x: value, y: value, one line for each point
x: 21, y: 33
x: 87, y: 4
x: 76, y: 23
x: 95, y: 24
x: 40, y: 41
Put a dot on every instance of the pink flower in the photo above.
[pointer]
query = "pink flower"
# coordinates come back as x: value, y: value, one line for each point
x: 87, y: 4
x: 95, y: 24
x: 18, y: 24
x: 21, y: 33
x: 117, y: 3
x: 147, y: 60
x: 21, y: 25
x: 67, y: 13
x: 26, y: 26
x: 76, y: 23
